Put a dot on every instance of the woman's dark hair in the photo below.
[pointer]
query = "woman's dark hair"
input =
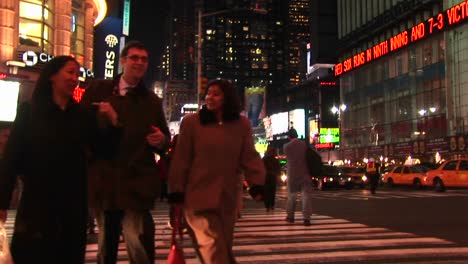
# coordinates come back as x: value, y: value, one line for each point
x: 232, y: 103
x: 43, y: 88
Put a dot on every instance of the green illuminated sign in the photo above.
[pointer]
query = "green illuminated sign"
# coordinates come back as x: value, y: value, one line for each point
x: 126, y: 18
x: 329, y: 135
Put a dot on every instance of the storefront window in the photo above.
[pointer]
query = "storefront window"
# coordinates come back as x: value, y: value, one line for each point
x: 36, y: 24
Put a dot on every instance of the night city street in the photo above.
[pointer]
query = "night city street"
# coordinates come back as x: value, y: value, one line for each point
x: 108, y: 107
x: 348, y: 226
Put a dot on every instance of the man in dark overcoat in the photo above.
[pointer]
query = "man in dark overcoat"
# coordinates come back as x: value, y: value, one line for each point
x: 123, y: 175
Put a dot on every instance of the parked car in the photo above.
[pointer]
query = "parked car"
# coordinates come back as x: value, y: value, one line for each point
x: 333, y: 177
x: 452, y: 173
x: 406, y: 175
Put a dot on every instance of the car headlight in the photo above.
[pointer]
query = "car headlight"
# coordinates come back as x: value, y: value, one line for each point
x: 364, y: 178
x: 284, y: 178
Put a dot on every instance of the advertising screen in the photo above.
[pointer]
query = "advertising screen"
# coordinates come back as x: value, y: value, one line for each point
x: 313, y: 131
x: 329, y: 135
x: 279, y: 123
x: 8, y: 100
x: 297, y: 120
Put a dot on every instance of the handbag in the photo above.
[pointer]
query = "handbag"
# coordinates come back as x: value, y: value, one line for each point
x: 5, y: 255
x: 176, y: 254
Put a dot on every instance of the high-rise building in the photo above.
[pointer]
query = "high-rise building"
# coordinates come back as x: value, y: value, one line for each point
x: 239, y: 44
x: 310, y: 86
x: 402, y: 72
x: 297, y: 28
x: 178, y: 59
x: 177, y: 67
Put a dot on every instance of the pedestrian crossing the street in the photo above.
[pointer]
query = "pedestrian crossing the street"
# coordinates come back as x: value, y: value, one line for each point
x: 380, y: 194
x: 264, y: 237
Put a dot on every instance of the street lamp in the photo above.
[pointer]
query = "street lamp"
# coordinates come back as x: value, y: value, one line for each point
x: 338, y: 110
x: 200, y: 39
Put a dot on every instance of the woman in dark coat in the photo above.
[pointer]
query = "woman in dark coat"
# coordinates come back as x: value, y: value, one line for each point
x: 47, y: 146
x: 273, y: 171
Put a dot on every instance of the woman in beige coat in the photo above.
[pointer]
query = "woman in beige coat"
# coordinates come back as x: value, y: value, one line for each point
x: 214, y: 146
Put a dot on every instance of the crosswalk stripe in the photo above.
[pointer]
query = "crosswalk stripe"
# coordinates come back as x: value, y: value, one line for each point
x: 263, y: 237
x: 357, y: 255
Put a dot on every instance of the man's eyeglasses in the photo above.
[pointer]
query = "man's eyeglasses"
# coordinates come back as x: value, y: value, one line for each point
x: 136, y: 58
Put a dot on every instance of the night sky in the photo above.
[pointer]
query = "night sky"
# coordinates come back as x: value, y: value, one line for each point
x: 147, y: 20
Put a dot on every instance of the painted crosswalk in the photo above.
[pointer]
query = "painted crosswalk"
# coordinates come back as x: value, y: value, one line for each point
x: 358, y: 194
x: 264, y: 237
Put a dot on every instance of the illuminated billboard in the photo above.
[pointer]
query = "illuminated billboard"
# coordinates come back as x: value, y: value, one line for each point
x: 8, y: 100
x: 313, y: 131
x: 279, y: 123
x: 329, y: 135
x: 297, y: 120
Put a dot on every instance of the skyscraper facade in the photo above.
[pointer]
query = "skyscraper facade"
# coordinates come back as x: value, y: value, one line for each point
x: 239, y: 45
x: 177, y: 67
x: 297, y: 28
x: 403, y: 76
x: 178, y: 59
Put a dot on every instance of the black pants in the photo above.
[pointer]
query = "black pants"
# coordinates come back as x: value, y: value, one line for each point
x: 112, y: 225
x: 374, y: 181
x: 269, y: 196
x: 64, y: 242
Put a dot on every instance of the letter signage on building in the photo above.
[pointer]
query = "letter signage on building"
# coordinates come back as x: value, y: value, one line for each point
x: 453, y: 16
x: 106, y: 53
x: 35, y: 59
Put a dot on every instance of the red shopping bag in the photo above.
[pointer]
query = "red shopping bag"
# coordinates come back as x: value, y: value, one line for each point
x: 5, y: 256
x: 176, y: 254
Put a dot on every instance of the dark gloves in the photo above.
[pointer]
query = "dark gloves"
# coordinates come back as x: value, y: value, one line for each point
x: 256, y: 191
x: 176, y: 198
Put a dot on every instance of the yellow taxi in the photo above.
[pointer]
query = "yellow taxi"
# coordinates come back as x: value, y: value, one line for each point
x: 406, y: 175
x: 452, y: 173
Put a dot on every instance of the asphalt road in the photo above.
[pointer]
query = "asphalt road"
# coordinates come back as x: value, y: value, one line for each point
x: 422, y: 212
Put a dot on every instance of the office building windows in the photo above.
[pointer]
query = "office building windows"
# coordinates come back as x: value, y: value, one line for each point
x: 78, y: 30
x: 36, y: 22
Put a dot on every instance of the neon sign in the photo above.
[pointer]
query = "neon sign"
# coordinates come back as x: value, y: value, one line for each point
x: 324, y: 145
x: 78, y: 94
x: 327, y: 83
x: 450, y: 17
